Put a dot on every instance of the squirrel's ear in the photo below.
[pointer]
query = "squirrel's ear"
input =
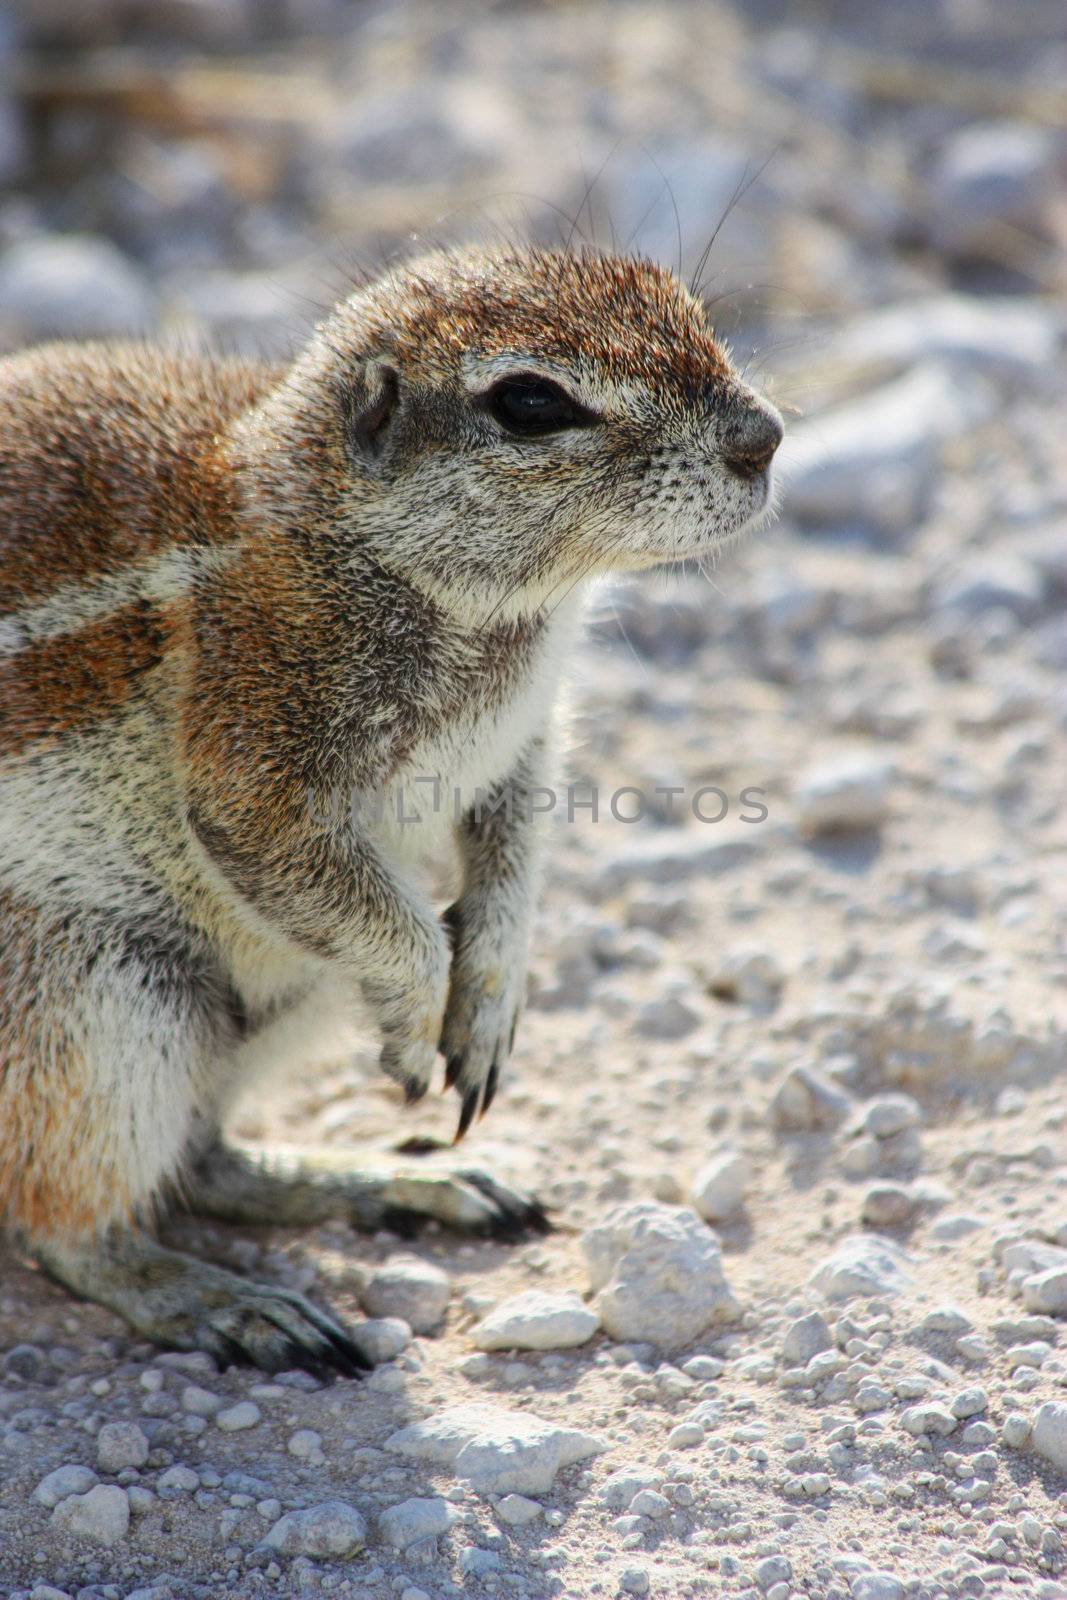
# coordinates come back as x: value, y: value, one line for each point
x: 369, y: 403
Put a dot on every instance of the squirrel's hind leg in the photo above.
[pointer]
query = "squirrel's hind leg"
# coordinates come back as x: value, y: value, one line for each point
x: 109, y: 1047
x: 303, y: 1187
x: 175, y: 1300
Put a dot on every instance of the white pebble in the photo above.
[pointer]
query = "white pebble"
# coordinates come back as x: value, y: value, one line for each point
x: 1015, y: 1431
x: 970, y: 1403
x: 306, y: 1445
x: 516, y: 1510
x: 718, y: 1190
x: 245, y: 1414
x: 102, y: 1515
x: 876, y: 1586
x: 1046, y: 1291
x: 657, y: 1274
x: 412, y: 1520
x: 382, y: 1338
x: 64, y: 1481
x: 180, y: 1477
x: 805, y: 1100
x: 1050, y: 1433
x: 928, y: 1419
x: 634, y: 1580
x: 804, y: 1338
x: 410, y: 1289
x: 537, y: 1320
x: 864, y: 1264
x: 891, y: 1113
x: 499, y: 1451
x: 331, y: 1529
x: 200, y: 1402
x: 120, y: 1444
x: 845, y: 795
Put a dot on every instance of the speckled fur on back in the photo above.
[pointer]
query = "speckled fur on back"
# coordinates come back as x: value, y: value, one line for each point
x: 234, y: 599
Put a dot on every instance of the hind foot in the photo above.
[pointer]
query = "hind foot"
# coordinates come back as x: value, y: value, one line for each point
x: 175, y: 1300
x: 300, y: 1188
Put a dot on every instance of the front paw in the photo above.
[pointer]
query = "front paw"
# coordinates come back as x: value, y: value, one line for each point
x: 411, y: 1022
x: 479, y: 1029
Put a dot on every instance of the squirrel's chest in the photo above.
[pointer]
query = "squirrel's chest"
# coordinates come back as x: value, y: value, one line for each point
x: 458, y: 758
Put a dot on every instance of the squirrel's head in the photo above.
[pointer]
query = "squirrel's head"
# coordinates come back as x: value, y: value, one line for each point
x: 500, y: 424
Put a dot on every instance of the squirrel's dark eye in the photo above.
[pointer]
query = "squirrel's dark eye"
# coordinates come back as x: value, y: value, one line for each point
x: 531, y: 406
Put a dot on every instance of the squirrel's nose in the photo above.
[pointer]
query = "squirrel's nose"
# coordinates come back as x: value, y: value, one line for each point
x: 750, y: 438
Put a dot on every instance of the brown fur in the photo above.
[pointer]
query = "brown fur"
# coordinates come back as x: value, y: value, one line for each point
x: 232, y: 596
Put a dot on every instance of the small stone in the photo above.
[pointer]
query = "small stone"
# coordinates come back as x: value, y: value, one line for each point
x: 804, y: 1338
x: 805, y: 1101
x: 634, y: 1580
x: 848, y: 795
x: 947, y: 1319
x: 748, y: 975
x: 235, y: 1419
x: 537, y: 1320
x: 516, y: 1510
x: 1050, y: 1433
x: 970, y: 1402
x: 180, y: 1478
x: 141, y: 1500
x: 64, y: 1481
x: 200, y: 1402
x: 666, y: 1018
x: 685, y: 1436
x: 927, y: 1419
x: 1046, y: 1291
x: 889, y: 1114
x: 772, y: 1570
x: 876, y: 1586
x: 704, y: 1369
x: 306, y: 1445
x: 862, y: 1265
x: 888, y: 1205
x: 25, y: 1361
x: 102, y: 1515
x: 718, y: 1190
x: 413, y: 1520
x: 120, y: 1444
x: 382, y: 1338
x: 1015, y: 1431
x: 656, y: 1272
x: 499, y: 1451
x: 332, y: 1529
x: 476, y: 1563
x: 649, y: 1503
x: 408, y: 1288
x: 619, y: 1489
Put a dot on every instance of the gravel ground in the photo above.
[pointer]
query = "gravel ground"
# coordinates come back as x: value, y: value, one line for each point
x: 790, y: 1077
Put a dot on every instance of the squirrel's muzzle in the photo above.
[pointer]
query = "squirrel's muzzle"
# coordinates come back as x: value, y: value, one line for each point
x: 751, y: 433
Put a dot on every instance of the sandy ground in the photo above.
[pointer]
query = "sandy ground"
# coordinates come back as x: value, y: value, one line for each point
x: 862, y: 997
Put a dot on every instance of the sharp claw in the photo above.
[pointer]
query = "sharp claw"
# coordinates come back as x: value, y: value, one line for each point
x: 466, y: 1115
x: 491, y: 1082
x: 453, y: 1068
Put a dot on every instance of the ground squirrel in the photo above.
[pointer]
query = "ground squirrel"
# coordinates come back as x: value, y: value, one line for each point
x: 238, y: 598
